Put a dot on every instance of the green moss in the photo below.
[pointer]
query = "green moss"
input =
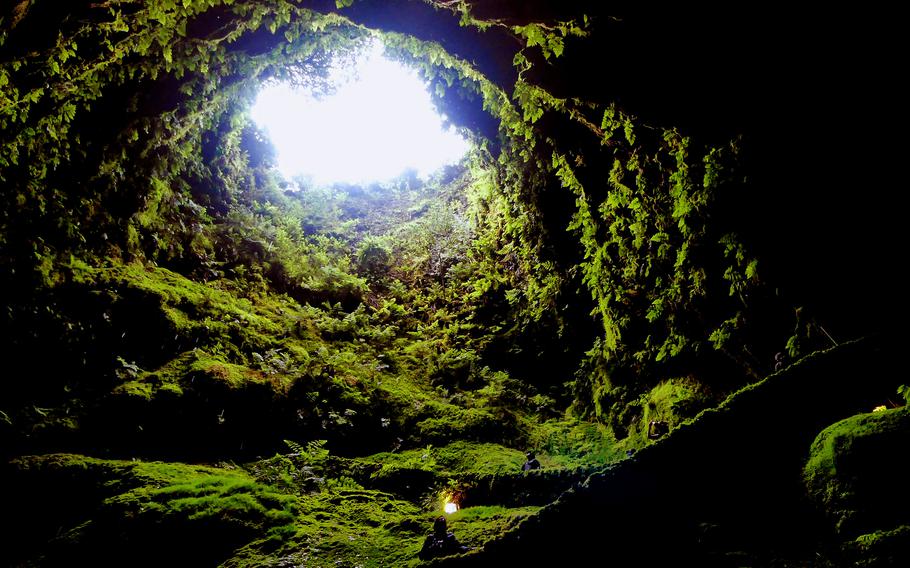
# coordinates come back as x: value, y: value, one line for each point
x: 856, y: 471
x: 371, y: 529
x: 165, y: 488
x: 881, y: 548
x: 171, y: 389
x: 186, y: 297
x: 197, y: 370
x: 54, y: 462
x: 459, y: 457
x: 211, y: 315
x: 136, y: 389
x: 671, y: 402
x: 363, y: 527
x: 455, y: 423
x: 233, y: 376
x: 142, y: 503
x: 572, y: 443
x: 464, y: 457
x: 474, y: 526
x: 223, y: 497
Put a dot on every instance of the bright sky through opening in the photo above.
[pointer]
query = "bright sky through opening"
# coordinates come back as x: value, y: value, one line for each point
x: 378, y: 123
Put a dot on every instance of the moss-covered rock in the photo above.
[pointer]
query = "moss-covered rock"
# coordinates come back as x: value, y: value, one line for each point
x: 857, y: 472
x: 668, y: 404
x: 476, y: 525
x: 109, y: 512
x: 881, y: 548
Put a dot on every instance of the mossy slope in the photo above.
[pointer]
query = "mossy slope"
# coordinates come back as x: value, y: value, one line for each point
x: 290, y: 508
x: 108, y: 512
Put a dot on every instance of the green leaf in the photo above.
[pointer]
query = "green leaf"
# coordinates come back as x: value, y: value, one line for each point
x: 557, y: 46
x: 752, y: 269
x: 68, y: 112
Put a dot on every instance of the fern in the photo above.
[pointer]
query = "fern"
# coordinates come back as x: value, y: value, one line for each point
x: 295, y: 448
x: 904, y: 390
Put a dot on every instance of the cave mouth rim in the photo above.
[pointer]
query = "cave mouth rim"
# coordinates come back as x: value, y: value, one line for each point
x: 372, y: 109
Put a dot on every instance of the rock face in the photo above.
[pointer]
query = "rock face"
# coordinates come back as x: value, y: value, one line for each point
x: 857, y: 473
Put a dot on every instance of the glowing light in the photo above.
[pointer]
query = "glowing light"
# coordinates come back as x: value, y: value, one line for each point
x: 379, y: 122
x: 450, y: 499
x: 880, y: 408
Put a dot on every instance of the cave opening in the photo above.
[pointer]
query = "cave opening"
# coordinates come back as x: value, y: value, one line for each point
x: 369, y: 120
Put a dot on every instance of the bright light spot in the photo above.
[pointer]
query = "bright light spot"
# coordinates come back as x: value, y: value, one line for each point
x: 379, y: 123
x: 450, y: 508
x: 880, y: 408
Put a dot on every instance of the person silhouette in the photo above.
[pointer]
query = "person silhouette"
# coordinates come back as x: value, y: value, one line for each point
x: 441, y: 543
x: 531, y: 462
